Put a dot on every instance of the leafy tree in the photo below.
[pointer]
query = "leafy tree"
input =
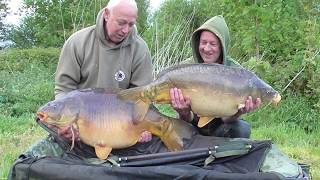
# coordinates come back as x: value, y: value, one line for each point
x: 3, y: 13
x: 24, y: 35
x: 275, y: 39
x: 142, y: 22
x: 50, y: 22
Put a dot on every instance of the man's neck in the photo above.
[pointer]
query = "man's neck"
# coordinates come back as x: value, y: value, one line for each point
x: 110, y: 43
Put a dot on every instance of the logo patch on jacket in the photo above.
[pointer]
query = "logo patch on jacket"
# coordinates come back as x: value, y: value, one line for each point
x: 119, y: 76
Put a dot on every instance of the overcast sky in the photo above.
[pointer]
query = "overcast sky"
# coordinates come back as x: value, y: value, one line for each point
x: 13, y: 17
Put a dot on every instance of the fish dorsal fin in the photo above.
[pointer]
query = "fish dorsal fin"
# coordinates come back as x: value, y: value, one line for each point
x: 165, y: 71
x: 204, y: 121
x: 140, y: 110
x: 131, y: 94
x: 192, y: 65
x: 102, y: 151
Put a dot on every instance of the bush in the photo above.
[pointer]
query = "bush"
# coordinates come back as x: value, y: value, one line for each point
x: 14, y: 60
x: 299, y: 75
x: 27, y: 81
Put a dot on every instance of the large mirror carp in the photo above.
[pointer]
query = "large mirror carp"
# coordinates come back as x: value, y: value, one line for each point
x: 106, y: 122
x: 214, y: 90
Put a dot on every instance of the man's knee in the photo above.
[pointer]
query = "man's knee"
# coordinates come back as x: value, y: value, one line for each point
x: 240, y: 129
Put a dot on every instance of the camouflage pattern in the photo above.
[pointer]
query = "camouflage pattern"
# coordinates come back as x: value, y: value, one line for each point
x: 276, y: 161
x: 45, y: 147
x: 50, y: 148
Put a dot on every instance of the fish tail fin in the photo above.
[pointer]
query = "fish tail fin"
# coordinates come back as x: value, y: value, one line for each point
x: 175, y: 134
x: 173, y: 141
x: 171, y: 130
x: 132, y: 94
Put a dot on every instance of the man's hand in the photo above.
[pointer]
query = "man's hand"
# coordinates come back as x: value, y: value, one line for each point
x: 181, y: 104
x: 250, y: 105
x: 146, y: 136
x: 178, y: 101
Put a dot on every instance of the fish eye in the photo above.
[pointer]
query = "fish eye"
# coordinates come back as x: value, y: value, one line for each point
x: 53, y: 105
x: 270, y: 93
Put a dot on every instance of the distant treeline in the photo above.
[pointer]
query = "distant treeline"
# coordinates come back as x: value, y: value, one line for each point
x: 279, y: 40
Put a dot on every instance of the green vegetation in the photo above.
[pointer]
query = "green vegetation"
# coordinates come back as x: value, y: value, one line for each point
x: 27, y: 82
x: 288, y: 126
x: 275, y: 39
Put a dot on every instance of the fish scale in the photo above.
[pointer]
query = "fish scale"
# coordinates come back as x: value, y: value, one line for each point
x: 106, y: 122
x: 214, y: 90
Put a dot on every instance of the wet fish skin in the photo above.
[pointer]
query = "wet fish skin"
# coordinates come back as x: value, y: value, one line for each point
x: 214, y: 90
x: 105, y: 122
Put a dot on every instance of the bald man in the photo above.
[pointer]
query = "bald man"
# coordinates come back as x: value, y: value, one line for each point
x: 108, y: 54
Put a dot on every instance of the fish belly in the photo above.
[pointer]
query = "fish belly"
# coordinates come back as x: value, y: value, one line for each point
x: 213, y: 103
x: 115, y: 135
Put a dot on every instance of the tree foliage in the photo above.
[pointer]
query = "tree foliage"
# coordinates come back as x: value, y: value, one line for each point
x: 3, y: 14
x: 142, y: 21
x: 276, y: 39
x: 50, y: 22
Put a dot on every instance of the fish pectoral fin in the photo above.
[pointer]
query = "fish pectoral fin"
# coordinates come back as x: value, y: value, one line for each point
x: 240, y: 106
x: 163, y: 98
x: 102, y: 152
x: 204, y: 121
x: 131, y: 94
x: 140, y: 110
x: 163, y: 93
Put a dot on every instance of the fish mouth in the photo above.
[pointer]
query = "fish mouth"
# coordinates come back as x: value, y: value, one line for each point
x: 277, y: 99
x: 42, y: 116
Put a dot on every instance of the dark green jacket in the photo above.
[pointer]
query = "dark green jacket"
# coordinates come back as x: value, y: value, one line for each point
x: 87, y: 61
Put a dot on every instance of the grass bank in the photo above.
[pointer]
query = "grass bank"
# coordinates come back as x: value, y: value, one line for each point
x: 27, y: 82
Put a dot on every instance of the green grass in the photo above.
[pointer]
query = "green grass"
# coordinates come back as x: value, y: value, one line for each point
x: 293, y: 126
x: 25, y: 84
x: 16, y: 135
x: 302, y: 147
